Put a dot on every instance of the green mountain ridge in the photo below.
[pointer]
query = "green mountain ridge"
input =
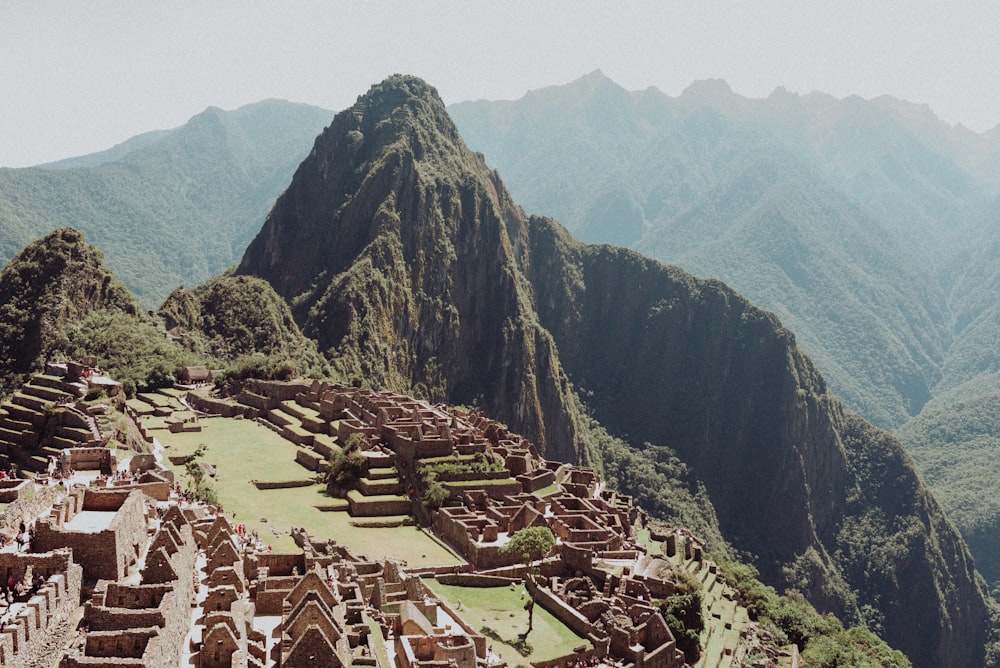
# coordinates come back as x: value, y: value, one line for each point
x: 404, y: 255
x: 168, y: 207
x: 869, y: 227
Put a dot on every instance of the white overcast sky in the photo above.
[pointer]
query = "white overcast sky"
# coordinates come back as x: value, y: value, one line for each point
x: 77, y: 77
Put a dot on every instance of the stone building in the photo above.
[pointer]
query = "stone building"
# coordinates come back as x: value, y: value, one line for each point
x: 105, y: 529
x: 142, y: 624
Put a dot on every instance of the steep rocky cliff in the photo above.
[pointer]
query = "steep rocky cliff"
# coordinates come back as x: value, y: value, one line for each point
x: 824, y: 501
x: 396, y: 247
x: 404, y: 256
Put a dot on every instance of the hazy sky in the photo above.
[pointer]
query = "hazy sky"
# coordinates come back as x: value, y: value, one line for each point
x: 77, y: 77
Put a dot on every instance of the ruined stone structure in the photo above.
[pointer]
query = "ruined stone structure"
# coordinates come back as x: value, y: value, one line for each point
x: 142, y: 624
x: 105, y: 529
x: 43, y: 420
x: 31, y: 626
x: 183, y: 584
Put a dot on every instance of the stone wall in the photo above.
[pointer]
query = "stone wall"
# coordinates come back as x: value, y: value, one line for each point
x: 282, y: 484
x: 44, y: 622
x: 278, y: 390
x: 220, y: 406
x: 88, y: 459
x: 496, y: 490
x: 142, y: 462
x: 559, y: 609
x: 12, y: 489
x: 536, y: 480
x: 25, y: 507
x: 475, y: 580
x: 364, y: 506
x: 104, y: 554
x: 154, y: 617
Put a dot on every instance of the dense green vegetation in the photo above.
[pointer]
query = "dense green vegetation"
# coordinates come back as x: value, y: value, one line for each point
x: 661, y: 484
x: 868, y: 227
x: 822, y: 639
x: 54, y: 282
x: 529, y: 544
x: 955, y: 441
x: 135, y: 352
x: 241, y: 318
x: 347, y: 466
x: 174, y: 207
x: 57, y: 299
x: 683, y: 613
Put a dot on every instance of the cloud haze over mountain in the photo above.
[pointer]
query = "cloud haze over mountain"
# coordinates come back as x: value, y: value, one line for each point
x: 77, y: 79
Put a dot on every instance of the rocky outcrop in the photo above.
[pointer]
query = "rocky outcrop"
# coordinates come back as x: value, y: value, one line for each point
x: 54, y: 281
x: 397, y: 248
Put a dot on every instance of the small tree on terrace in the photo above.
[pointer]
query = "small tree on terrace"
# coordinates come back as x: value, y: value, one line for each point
x: 346, y: 467
x: 529, y: 544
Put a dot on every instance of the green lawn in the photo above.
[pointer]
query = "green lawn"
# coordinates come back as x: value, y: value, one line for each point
x: 378, y: 644
x: 546, y: 491
x: 244, y: 450
x: 502, y: 610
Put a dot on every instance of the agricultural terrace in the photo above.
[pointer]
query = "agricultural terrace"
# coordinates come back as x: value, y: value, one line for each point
x: 501, y: 609
x: 244, y: 450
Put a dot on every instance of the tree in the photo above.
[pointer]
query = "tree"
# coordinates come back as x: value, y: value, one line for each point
x: 346, y: 467
x: 435, y: 494
x: 198, y: 478
x: 683, y: 614
x: 529, y: 544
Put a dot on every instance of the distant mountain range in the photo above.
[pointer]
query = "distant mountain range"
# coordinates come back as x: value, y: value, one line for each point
x: 170, y: 207
x: 405, y: 257
x: 867, y: 227
x: 870, y: 227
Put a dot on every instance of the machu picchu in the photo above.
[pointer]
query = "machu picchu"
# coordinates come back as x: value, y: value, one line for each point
x: 122, y: 533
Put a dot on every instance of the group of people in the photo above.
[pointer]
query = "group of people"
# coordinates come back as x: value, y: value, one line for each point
x: 249, y: 537
x: 15, y: 589
x: 25, y: 534
x: 127, y: 476
x: 183, y: 495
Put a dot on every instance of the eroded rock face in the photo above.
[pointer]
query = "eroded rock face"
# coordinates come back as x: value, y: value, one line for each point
x: 397, y: 248
x: 404, y: 256
x: 827, y: 503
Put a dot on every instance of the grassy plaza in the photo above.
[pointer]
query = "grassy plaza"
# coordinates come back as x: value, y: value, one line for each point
x: 244, y: 450
x: 502, y: 610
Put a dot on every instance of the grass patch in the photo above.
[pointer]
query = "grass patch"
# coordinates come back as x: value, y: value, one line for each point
x: 446, y: 458
x: 378, y: 644
x: 501, y: 610
x: 546, y: 491
x: 243, y: 450
x: 156, y: 399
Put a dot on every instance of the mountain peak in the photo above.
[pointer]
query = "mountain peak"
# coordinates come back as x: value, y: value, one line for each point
x: 54, y: 280
x: 708, y: 89
x: 399, y: 251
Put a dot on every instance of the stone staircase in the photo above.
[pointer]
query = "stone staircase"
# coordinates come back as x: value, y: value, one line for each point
x: 27, y: 434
